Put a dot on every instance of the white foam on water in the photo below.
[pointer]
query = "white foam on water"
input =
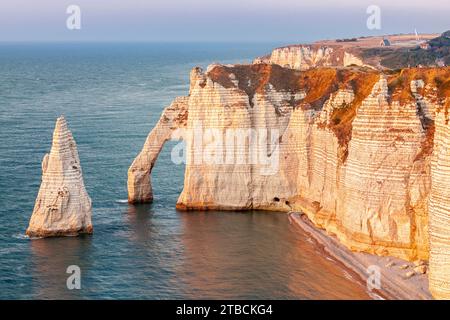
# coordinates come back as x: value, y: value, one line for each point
x: 35, y: 238
x: 21, y: 236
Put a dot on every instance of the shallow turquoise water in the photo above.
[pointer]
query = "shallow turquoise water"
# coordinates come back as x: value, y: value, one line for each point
x: 112, y: 95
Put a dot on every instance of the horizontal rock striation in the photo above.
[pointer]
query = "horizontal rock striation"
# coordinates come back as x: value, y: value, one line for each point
x: 439, y: 209
x: 139, y: 180
x: 350, y: 147
x: 381, y: 193
x: 63, y: 207
x: 303, y: 57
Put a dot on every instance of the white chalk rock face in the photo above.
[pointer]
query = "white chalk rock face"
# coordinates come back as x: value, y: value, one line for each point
x: 377, y: 205
x: 303, y: 57
x: 139, y: 181
x: 63, y: 207
x: 439, y: 210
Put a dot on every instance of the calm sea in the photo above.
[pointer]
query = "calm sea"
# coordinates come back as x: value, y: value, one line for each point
x: 112, y: 95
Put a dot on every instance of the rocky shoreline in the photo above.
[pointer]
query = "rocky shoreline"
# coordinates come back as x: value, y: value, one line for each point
x: 400, y: 279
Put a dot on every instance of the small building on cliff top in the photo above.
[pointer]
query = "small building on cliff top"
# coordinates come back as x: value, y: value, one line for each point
x: 385, y: 43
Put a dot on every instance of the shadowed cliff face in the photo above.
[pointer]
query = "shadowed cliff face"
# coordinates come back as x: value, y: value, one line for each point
x: 350, y: 147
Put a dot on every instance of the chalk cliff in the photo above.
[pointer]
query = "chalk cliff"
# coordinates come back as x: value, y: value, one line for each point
x: 303, y: 57
x: 350, y: 147
x: 62, y: 206
x: 439, y: 208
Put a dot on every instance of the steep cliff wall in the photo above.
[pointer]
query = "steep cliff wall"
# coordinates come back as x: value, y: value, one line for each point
x: 439, y: 209
x: 350, y: 147
x: 231, y: 106
x: 303, y: 57
x: 380, y: 191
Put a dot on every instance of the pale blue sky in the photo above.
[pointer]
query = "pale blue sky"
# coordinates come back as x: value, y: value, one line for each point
x: 215, y: 20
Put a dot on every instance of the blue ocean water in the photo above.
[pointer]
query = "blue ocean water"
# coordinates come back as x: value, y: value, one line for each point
x: 112, y: 95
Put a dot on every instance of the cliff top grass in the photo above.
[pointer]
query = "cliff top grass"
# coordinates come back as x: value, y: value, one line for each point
x: 399, y: 82
x: 255, y: 78
x: 317, y: 83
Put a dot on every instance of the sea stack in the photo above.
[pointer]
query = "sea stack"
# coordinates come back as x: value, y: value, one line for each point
x: 63, y: 207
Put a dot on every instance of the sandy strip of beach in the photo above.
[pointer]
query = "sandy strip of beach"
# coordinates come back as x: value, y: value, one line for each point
x: 398, y: 279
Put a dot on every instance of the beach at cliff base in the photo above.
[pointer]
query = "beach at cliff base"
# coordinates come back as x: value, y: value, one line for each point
x: 399, y: 279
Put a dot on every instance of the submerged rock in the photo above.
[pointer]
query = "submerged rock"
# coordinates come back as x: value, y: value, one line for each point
x: 63, y: 207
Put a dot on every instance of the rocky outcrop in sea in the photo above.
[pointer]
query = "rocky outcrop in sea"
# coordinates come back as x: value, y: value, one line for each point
x: 63, y: 207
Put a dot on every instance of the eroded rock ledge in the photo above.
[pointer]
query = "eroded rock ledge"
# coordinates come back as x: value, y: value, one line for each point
x: 355, y: 153
x: 63, y: 207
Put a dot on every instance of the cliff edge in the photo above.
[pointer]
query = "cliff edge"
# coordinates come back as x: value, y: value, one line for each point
x: 379, y: 52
